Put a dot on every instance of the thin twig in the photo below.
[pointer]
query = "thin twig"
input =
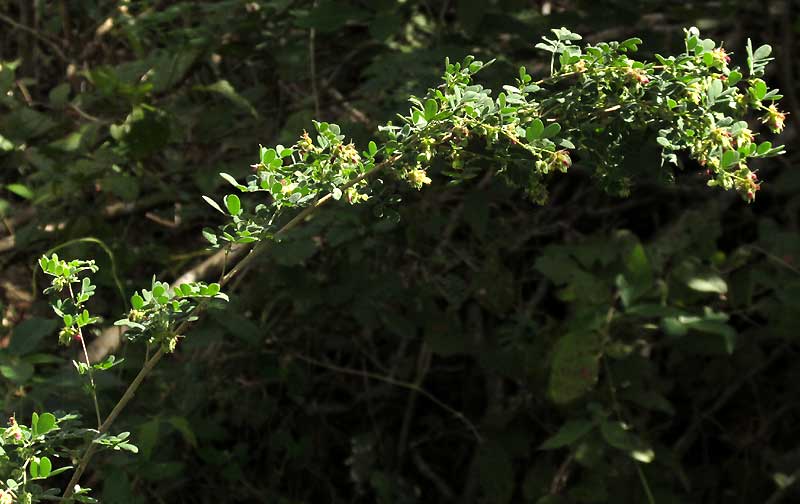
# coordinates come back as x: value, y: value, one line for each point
x: 429, y: 473
x: 423, y: 366
x: 398, y: 383
x: 242, y: 264
x: 690, y: 435
x: 124, y: 400
x: 773, y: 257
x: 562, y: 475
x: 36, y: 34
x: 88, y: 365
x: 355, y: 114
x: 87, y: 115
x: 312, y: 64
x: 302, y: 216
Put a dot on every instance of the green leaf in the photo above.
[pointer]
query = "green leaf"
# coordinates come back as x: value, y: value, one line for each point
x: 673, y: 327
x: 570, y: 432
x: 182, y: 425
x: 34, y: 468
x: 45, y: 466
x: 124, y: 186
x: 431, y: 108
x: 546, y: 47
x: 18, y: 371
x: 137, y: 302
x: 551, y: 130
x: 108, y: 363
x: 158, y: 291
x: 763, y: 148
x: 46, y: 423
x: 372, y: 147
x: 762, y: 52
x: 224, y: 88
x: 631, y: 44
x: 213, y: 204
x: 638, y: 265
x: 728, y: 335
x: 169, y: 66
x: 575, y: 365
x: 26, y: 335
x: 233, y: 204
x: 708, y: 282
x: 232, y: 181
x: 534, y: 131
x: 60, y: 470
x: 209, y: 235
x: 644, y: 455
x: 25, y: 123
x: 729, y: 158
x: 20, y: 190
x: 59, y: 95
x: 127, y: 447
x: 148, y: 437
x: 619, y: 437
x: 268, y: 155
x: 5, y: 144
x: 734, y: 77
x: 760, y: 89
x: 714, y: 90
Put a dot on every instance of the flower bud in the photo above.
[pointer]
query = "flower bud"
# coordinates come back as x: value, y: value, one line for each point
x: 418, y: 177
x: 562, y: 160
x: 774, y: 119
x: 720, y: 56
x: 638, y: 75
x: 6, y: 497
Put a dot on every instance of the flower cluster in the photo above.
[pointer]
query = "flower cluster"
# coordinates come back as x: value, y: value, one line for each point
x: 596, y: 99
x: 418, y: 177
x: 774, y: 119
x: 13, y: 431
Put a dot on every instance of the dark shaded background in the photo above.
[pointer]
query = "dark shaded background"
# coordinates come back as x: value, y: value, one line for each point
x: 334, y: 375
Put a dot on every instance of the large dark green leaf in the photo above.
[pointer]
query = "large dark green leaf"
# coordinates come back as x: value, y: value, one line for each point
x: 27, y: 334
x: 575, y: 365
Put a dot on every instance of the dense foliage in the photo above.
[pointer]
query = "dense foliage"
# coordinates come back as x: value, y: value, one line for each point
x: 628, y: 338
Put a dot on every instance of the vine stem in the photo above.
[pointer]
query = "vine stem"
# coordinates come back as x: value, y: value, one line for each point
x: 91, y: 379
x: 88, y: 364
x: 243, y: 263
x: 650, y: 498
